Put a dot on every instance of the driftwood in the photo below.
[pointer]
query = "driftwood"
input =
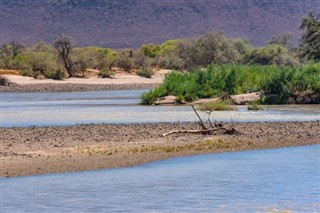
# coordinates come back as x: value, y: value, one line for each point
x: 199, y: 131
x: 230, y: 131
x: 214, y: 127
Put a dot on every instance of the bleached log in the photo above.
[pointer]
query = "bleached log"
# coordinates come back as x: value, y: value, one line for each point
x: 198, y: 131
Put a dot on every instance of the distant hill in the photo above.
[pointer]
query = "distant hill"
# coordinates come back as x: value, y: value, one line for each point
x: 129, y: 23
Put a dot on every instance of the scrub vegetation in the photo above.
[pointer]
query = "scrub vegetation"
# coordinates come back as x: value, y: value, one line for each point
x: 209, y: 66
x: 278, y: 84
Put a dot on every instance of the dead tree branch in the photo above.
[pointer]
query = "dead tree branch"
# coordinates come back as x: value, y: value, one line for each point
x: 205, y: 130
x: 200, y: 120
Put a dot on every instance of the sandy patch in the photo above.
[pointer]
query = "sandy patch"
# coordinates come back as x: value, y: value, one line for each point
x: 117, y: 79
x: 42, y: 150
x: 121, y: 80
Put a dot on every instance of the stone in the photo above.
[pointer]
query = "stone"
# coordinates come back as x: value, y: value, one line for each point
x: 245, y: 98
x: 166, y: 100
x: 6, y: 82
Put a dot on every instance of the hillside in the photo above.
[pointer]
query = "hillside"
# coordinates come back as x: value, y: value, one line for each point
x: 126, y: 23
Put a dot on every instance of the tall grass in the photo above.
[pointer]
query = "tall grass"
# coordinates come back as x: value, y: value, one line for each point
x: 150, y: 97
x: 215, y: 106
x: 284, y: 82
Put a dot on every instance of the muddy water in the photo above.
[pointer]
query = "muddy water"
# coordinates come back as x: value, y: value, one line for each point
x: 122, y: 106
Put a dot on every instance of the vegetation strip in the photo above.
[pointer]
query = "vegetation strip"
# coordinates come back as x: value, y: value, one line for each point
x: 280, y: 85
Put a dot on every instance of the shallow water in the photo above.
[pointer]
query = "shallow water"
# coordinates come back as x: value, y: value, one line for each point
x: 122, y: 106
x: 250, y: 181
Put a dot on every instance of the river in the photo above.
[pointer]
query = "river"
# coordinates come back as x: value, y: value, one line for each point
x: 122, y: 106
x: 249, y: 181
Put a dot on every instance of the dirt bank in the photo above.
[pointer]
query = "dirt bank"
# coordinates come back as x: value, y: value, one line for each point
x: 73, y: 87
x: 119, y: 81
x: 41, y: 150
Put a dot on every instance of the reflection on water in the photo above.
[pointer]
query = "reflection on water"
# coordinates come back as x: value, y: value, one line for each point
x: 45, y: 109
x: 251, y: 181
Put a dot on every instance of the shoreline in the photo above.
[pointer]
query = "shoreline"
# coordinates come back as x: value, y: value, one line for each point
x: 68, y: 87
x: 44, y: 150
x: 121, y: 81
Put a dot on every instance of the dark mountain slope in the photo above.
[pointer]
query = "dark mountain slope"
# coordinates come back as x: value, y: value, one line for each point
x: 129, y: 23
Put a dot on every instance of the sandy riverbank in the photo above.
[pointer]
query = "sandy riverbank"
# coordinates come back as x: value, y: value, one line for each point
x: 42, y: 150
x: 119, y: 81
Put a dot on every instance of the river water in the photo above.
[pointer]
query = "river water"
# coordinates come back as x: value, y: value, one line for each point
x: 122, y: 106
x: 249, y: 181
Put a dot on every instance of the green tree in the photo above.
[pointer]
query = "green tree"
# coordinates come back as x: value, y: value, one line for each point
x: 5, y: 56
x: 150, y: 50
x: 8, y: 53
x: 17, y: 48
x: 272, y: 54
x: 124, y: 60
x: 140, y: 59
x: 43, y: 47
x: 283, y: 39
x: 214, y: 48
x: 43, y: 62
x: 310, y: 45
x: 107, y: 58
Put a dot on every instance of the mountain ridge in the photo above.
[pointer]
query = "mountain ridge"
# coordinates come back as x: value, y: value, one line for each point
x: 128, y: 24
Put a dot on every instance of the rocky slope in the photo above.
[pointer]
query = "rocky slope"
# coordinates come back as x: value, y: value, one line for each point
x: 126, y: 23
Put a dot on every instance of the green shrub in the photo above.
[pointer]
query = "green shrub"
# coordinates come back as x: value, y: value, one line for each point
x: 150, y: 97
x: 58, y: 74
x: 20, y: 62
x: 272, y: 54
x: 26, y: 72
x: 105, y: 73
x: 124, y: 60
x: 254, y: 105
x: 283, y: 83
x: 180, y: 99
x: 146, y: 72
x: 215, y: 106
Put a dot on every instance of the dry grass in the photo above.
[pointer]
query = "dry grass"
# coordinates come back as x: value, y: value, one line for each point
x: 9, y: 72
x: 204, y: 145
x: 215, y: 106
x: 198, y: 146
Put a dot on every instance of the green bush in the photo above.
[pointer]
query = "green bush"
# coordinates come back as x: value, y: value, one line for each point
x: 124, y: 60
x: 272, y: 54
x: 27, y: 72
x: 212, y: 48
x: 215, y: 106
x: 20, y: 62
x: 284, y: 83
x: 105, y: 73
x: 150, y: 97
x: 58, y: 74
x: 254, y: 105
x: 146, y: 72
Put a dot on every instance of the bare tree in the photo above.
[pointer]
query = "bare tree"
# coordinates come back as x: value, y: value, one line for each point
x: 64, y: 46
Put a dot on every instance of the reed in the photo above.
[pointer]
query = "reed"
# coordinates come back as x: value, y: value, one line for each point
x: 288, y: 84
